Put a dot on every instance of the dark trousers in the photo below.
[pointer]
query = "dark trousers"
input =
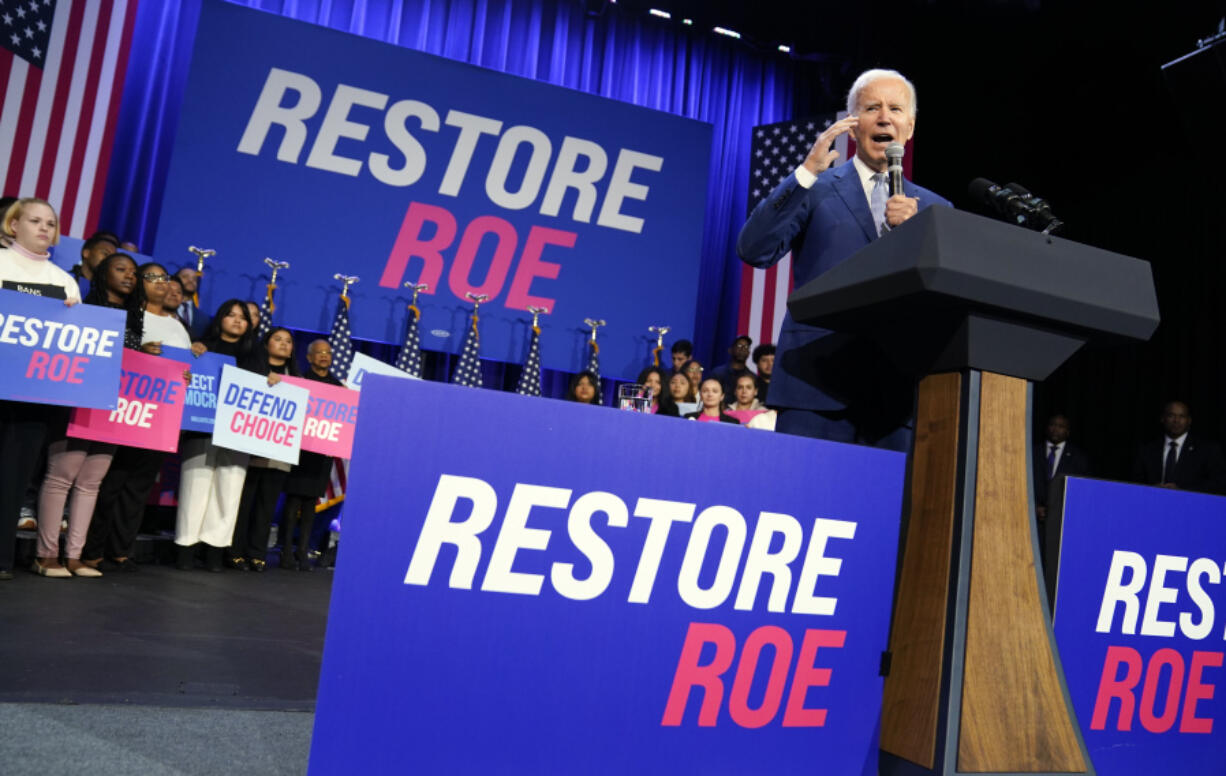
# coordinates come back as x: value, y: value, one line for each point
x: 21, y: 440
x: 298, y: 511
x: 256, y: 507
x: 121, y: 503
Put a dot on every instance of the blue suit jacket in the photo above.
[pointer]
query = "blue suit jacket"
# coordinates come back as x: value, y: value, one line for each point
x: 822, y: 226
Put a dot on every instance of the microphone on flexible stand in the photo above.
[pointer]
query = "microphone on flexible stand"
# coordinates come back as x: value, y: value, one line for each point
x: 893, y: 155
x: 1008, y: 203
x: 1041, y: 217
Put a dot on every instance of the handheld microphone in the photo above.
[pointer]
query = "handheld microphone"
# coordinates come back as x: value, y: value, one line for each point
x: 893, y: 155
x: 1041, y: 217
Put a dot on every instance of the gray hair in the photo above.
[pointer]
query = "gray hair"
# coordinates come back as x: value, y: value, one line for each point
x: 867, y: 77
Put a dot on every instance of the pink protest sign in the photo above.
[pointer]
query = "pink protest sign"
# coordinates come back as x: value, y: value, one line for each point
x: 148, y: 411
x: 332, y: 415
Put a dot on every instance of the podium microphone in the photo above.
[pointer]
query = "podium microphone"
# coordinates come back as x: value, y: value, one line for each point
x: 1041, y: 216
x: 893, y: 155
x: 1003, y: 200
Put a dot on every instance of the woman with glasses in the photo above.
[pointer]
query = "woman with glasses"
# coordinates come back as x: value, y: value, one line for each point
x: 134, y: 471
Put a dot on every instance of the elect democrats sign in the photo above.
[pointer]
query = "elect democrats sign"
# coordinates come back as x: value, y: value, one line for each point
x: 342, y: 154
x: 1140, y: 621
x: 540, y: 587
x: 54, y: 354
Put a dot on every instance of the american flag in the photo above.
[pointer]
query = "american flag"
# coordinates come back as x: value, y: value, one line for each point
x: 468, y: 371
x: 530, y: 378
x: 409, y: 359
x: 62, y: 67
x: 593, y: 366
x: 775, y: 152
x: 335, y: 492
x: 340, y: 341
x: 264, y: 327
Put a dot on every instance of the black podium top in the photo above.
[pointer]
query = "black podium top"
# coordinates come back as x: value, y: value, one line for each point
x: 949, y: 286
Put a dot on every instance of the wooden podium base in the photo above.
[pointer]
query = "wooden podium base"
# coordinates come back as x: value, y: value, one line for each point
x: 975, y: 683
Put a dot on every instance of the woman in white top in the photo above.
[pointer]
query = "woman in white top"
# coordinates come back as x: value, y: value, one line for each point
x: 25, y: 266
x: 161, y: 326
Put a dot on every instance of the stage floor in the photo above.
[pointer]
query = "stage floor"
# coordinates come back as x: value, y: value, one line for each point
x: 205, y: 643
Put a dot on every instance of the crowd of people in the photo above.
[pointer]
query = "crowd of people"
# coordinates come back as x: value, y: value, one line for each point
x: 91, y: 497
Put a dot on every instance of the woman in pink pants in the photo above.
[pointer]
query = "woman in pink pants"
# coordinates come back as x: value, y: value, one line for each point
x: 77, y: 466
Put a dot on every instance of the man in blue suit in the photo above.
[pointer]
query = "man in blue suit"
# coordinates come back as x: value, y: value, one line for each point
x: 825, y: 384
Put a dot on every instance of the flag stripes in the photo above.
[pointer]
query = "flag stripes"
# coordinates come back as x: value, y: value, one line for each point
x: 59, y: 120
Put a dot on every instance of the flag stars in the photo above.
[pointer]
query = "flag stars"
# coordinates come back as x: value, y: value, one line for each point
x: 8, y: 19
x: 21, y: 12
x: 42, y: 26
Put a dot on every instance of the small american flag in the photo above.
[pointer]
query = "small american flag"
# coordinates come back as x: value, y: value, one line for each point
x: 530, y: 378
x: 340, y: 340
x: 62, y: 68
x: 409, y: 359
x: 593, y: 366
x: 264, y: 327
x: 335, y: 492
x: 468, y: 371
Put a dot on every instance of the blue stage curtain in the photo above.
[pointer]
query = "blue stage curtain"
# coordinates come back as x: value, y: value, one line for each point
x: 622, y: 54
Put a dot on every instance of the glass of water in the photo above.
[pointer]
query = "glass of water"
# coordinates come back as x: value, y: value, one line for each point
x: 634, y: 397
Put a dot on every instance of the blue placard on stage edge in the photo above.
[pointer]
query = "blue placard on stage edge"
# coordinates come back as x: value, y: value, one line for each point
x: 341, y: 154
x: 1140, y: 621
x: 530, y: 586
x: 54, y: 354
x: 200, y: 409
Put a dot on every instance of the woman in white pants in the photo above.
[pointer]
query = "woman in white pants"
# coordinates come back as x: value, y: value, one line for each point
x: 211, y: 477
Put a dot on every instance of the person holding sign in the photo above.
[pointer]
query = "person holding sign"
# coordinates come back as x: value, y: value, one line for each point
x: 134, y: 470
x: 211, y: 479
x: 77, y: 465
x: 25, y: 267
x: 307, y: 481
x: 265, y: 476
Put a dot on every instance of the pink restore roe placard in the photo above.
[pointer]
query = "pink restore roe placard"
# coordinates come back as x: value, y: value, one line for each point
x: 332, y: 415
x: 149, y: 410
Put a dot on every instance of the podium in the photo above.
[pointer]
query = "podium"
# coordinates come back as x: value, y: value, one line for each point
x: 977, y: 309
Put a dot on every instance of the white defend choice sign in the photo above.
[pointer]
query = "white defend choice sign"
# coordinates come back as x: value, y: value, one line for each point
x: 363, y: 365
x: 258, y: 418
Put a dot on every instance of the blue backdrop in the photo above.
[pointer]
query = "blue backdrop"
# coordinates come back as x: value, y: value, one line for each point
x: 623, y: 55
x: 422, y: 169
x: 549, y: 640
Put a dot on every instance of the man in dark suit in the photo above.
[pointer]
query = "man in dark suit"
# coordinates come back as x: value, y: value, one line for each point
x: 1180, y: 459
x: 1054, y: 457
x: 828, y: 385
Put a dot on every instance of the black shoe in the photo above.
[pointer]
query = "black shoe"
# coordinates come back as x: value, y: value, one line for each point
x: 126, y: 565
x: 212, y: 559
x: 287, y: 559
x: 185, y: 557
x: 257, y: 565
x: 238, y: 563
x: 305, y: 564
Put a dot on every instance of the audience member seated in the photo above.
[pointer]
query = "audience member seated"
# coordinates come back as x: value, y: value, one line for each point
x: 308, y: 481
x: 728, y: 373
x: 746, y: 406
x: 211, y: 480
x: 764, y: 360
x: 265, y: 476
x: 1181, y: 459
x: 583, y: 388
x: 682, y: 351
x: 93, y: 251
x: 661, y: 401
x: 253, y: 310
x: 78, y: 466
x: 693, y: 370
x: 711, y: 397
x: 33, y: 228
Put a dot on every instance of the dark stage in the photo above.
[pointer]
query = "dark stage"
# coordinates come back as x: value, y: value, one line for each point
x: 161, y: 671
